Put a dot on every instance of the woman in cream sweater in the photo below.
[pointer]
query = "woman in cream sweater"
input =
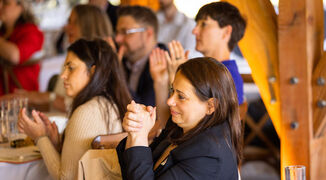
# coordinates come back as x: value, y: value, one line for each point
x: 92, y: 77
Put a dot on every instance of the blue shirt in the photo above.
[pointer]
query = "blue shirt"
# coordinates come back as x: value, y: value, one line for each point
x: 238, y: 82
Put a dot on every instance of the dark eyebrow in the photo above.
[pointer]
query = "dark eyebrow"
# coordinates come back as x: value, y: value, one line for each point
x: 180, y: 92
x: 68, y: 63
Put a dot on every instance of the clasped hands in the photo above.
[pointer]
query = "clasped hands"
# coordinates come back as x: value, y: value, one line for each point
x: 138, y: 122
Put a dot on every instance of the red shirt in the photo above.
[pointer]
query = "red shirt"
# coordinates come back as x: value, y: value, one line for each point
x: 29, y: 39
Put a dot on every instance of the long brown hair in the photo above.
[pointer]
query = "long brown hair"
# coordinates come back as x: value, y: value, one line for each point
x: 107, y: 81
x: 93, y: 22
x: 211, y: 79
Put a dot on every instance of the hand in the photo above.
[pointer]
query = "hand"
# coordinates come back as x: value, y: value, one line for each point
x: 34, y: 129
x: 52, y: 131
x: 139, y: 119
x: 121, y: 52
x: 158, y: 65
x: 178, y: 56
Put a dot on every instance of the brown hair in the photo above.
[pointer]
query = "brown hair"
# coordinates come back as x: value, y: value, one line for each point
x: 211, y: 79
x: 142, y: 15
x: 93, y: 22
x: 225, y: 14
x: 108, y: 79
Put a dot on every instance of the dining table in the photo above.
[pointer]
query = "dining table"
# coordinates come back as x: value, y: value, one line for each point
x: 24, y: 163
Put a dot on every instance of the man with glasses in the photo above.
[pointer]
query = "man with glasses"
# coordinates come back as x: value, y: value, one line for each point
x: 136, y: 36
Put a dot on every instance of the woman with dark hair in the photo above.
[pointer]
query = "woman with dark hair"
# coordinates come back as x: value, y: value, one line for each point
x: 93, y: 79
x: 203, y: 140
x: 19, y: 40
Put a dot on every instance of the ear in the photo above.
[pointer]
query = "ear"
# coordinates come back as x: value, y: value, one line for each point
x: 211, y: 106
x: 93, y: 70
x: 227, y: 32
x: 149, y: 32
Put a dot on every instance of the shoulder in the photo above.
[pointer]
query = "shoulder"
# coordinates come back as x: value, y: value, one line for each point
x: 28, y: 27
x: 214, y: 142
x: 92, y: 107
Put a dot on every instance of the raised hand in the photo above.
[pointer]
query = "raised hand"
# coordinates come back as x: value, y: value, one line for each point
x: 158, y: 65
x: 178, y: 56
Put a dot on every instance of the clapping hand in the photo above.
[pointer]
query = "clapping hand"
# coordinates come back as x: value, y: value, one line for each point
x: 158, y: 65
x: 33, y: 128
x: 52, y: 131
x: 178, y: 57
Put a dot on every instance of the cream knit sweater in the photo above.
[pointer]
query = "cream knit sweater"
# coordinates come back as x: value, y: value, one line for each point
x: 87, y: 121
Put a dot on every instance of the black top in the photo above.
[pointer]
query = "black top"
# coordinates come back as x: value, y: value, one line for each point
x: 209, y: 155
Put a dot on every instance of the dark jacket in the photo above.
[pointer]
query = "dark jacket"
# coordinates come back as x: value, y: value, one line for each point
x: 145, y: 91
x: 206, y: 156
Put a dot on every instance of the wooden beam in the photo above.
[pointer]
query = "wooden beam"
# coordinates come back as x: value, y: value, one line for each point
x: 319, y: 95
x: 259, y: 47
x: 318, y: 158
x: 296, y: 64
x: 154, y: 4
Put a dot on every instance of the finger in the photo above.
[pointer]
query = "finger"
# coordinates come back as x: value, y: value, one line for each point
x: 20, y: 126
x: 133, y: 116
x: 45, y: 119
x: 167, y: 57
x: 55, y: 127
x: 36, y: 117
x: 132, y: 107
x: 149, y: 109
x: 180, y: 49
x: 21, y: 129
x: 121, y: 52
x: 153, y: 114
x: 133, y: 124
x: 23, y: 117
x: 171, y: 49
x: 187, y: 54
x: 176, y: 50
x: 162, y: 57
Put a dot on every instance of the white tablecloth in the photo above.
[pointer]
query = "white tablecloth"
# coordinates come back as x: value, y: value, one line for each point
x: 35, y: 170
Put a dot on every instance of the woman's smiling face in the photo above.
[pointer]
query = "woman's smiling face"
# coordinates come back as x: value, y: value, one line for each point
x: 186, y: 108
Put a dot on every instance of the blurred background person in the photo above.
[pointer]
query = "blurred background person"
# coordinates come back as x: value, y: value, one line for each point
x: 136, y: 37
x: 85, y: 21
x: 174, y: 25
x: 109, y: 8
x: 20, y: 39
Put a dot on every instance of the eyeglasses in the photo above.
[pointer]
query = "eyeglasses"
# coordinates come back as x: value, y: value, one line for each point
x: 130, y: 31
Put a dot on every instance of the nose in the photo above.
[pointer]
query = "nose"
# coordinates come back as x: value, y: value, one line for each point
x: 119, y: 38
x: 195, y: 30
x: 171, y: 101
x: 63, y: 75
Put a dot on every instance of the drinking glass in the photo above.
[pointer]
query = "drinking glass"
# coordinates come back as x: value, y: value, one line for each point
x: 296, y: 172
x: 3, y: 122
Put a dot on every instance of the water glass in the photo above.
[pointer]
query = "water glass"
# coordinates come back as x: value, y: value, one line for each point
x: 296, y: 172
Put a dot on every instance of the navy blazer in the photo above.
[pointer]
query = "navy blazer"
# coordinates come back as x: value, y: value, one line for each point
x: 208, y: 155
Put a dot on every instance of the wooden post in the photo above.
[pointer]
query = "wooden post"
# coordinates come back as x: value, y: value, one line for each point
x: 299, y: 115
